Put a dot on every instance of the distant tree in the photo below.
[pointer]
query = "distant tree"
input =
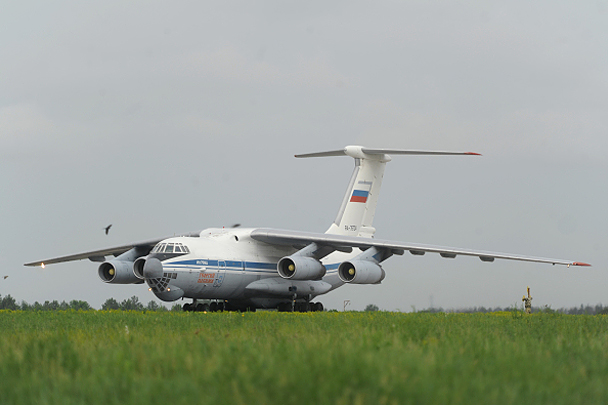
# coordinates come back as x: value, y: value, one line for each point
x: 372, y: 307
x: 110, y: 303
x: 79, y: 305
x: 64, y: 306
x: 8, y: 302
x: 25, y: 306
x: 132, y: 304
x: 547, y: 310
x: 51, y: 306
x: 152, y: 306
x: 176, y: 308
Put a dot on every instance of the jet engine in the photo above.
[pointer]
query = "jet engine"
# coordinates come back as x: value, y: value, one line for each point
x: 298, y: 267
x: 147, y: 267
x: 118, y: 272
x: 138, y: 267
x: 361, y: 272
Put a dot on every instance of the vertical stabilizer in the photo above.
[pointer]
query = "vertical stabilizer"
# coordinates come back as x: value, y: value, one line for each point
x: 356, y: 214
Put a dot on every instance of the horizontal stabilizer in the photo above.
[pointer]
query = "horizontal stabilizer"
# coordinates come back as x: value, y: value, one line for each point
x: 356, y: 151
x: 371, y: 151
x: 340, y: 152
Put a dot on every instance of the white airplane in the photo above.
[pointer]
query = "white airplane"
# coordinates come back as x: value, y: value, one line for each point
x: 245, y: 269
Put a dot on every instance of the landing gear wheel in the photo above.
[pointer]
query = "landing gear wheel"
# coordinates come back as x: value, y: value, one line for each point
x: 318, y: 307
x: 202, y: 308
x: 213, y: 307
x: 187, y: 307
x: 302, y: 307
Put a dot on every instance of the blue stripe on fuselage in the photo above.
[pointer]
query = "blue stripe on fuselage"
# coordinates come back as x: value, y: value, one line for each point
x: 232, y: 265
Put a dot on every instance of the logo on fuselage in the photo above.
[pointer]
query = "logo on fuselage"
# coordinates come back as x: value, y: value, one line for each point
x: 206, y: 278
x: 218, y: 280
x: 210, y: 278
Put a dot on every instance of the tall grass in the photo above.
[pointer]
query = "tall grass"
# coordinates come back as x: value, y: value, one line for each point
x: 115, y: 357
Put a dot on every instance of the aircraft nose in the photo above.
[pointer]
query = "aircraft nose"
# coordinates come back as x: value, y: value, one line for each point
x: 153, y: 268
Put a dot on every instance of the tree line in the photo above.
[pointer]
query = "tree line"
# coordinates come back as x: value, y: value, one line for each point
x: 598, y: 309
x: 133, y: 304
x: 129, y: 304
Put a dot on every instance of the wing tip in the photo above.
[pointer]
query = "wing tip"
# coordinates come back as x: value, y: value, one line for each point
x: 581, y: 264
x: 473, y: 154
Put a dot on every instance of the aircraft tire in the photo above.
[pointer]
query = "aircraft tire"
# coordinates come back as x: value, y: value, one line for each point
x: 187, y: 307
x: 213, y: 307
x: 318, y: 307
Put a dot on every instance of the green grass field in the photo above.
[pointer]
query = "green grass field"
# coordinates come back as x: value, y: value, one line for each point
x: 99, y: 357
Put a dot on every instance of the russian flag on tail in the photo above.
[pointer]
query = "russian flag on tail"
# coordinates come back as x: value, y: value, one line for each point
x: 359, y: 196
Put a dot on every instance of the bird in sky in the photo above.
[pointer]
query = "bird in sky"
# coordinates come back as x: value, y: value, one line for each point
x: 107, y: 228
x: 5, y: 277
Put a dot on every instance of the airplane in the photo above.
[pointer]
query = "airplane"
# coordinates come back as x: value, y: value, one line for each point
x: 254, y: 268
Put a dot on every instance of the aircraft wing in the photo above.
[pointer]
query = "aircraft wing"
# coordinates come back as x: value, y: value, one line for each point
x: 340, y: 242
x: 99, y: 255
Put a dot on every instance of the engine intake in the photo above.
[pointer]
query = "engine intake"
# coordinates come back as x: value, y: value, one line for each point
x: 300, y: 268
x: 118, y: 272
x: 138, y: 267
x: 361, y: 272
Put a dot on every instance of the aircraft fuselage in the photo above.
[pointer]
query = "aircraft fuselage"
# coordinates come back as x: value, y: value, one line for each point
x: 227, y: 264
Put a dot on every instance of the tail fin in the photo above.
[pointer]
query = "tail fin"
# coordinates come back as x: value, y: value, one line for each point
x: 358, y: 208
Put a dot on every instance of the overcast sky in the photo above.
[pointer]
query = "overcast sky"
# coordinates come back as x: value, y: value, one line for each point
x: 167, y: 117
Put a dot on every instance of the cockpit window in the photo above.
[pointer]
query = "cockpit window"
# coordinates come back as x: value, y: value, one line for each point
x: 170, y: 248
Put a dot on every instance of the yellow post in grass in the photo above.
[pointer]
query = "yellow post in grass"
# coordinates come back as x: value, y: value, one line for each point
x: 527, y: 302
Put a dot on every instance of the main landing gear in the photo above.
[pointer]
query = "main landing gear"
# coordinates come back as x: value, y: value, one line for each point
x: 300, y: 307
x: 196, y: 307
x: 214, y: 306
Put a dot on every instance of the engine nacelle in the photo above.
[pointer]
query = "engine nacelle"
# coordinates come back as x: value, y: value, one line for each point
x: 300, y: 268
x: 138, y: 267
x: 146, y: 267
x: 118, y: 272
x: 361, y: 272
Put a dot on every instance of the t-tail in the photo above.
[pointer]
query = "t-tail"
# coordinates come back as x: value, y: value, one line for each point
x: 356, y: 214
